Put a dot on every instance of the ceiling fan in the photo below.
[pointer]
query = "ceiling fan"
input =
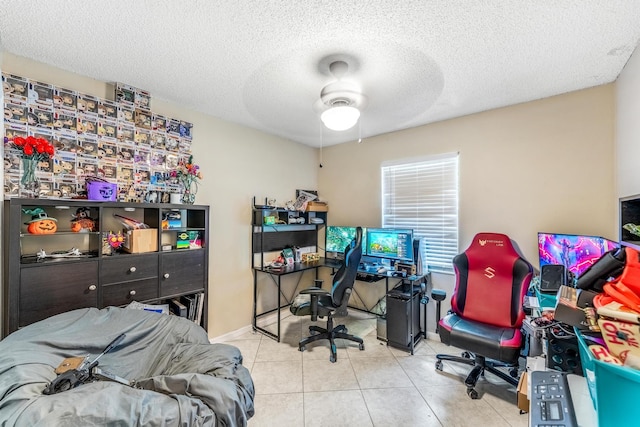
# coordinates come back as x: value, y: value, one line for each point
x: 341, y: 101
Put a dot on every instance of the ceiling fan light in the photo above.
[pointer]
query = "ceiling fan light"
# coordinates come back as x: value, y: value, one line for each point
x: 340, y: 118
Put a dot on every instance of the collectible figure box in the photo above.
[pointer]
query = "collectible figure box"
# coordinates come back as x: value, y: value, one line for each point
x: 125, y: 94
x: 15, y: 88
x: 65, y: 99
x: 182, y: 241
x: 87, y: 104
x: 40, y: 93
x: 143, y: 240
x: 107, y: 109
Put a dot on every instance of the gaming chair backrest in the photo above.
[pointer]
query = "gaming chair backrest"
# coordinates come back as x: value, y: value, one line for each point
x: 346, y: 275
x: 491, y: 281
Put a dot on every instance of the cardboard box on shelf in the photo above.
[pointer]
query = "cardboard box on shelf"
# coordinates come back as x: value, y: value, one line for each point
x: 317, y: 207
x: 523, y: 399
x: 142, y: 240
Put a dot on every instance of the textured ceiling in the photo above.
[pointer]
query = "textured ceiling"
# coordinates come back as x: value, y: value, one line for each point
x: 263, y: 64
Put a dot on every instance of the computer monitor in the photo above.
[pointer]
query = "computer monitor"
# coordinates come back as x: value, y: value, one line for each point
x: 338, y: 237
x: 575, y: 252
x: 390, y: 243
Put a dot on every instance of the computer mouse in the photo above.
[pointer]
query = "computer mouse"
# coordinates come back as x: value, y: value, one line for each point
x: 382, y: 270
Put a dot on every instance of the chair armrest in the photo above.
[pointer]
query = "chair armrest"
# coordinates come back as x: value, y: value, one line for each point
x: 314, y: 291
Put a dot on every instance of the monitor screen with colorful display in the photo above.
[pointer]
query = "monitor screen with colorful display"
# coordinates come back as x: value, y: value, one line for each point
x: 575, y: 252
x: 338, y: 237
x: 391, y: 243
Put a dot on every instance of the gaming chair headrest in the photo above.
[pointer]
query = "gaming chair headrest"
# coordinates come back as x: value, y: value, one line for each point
x: 489, y: 244
x: 354, y: 244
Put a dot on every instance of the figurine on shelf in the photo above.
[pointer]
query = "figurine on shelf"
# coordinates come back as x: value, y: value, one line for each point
x: 40, y: 223
x: 111, y: 242
x: 82, y: 222
x: 116, y: 240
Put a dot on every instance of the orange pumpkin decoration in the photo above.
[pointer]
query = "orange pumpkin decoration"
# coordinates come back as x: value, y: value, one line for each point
x: 43, y: 226
x: 40, y: 222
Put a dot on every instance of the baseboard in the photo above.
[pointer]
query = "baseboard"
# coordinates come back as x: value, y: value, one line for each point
x: 230, y: 336
x: 433, y: 336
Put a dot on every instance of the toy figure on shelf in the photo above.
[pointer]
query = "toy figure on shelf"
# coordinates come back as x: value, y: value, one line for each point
x: 82, y: 222
x: 116, y: 240
x: 111, y: 242
x: 40, y: 223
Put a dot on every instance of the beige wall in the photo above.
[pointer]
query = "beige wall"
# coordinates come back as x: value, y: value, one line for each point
x: 628, y: 128
x: 237, y: 163
x: 546, y: 165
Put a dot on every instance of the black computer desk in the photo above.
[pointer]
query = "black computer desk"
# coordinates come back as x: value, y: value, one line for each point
x: 277, y: 274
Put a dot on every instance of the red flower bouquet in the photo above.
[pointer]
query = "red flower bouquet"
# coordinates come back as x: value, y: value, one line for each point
x: 33, y: 150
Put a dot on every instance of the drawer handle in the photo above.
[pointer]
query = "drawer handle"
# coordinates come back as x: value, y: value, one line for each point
x: 132, y: 269
x: 132, y: 292
x: 166, y: 275
x: 92, y: 287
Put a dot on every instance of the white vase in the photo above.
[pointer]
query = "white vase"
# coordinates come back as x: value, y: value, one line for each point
x: 175, y: 198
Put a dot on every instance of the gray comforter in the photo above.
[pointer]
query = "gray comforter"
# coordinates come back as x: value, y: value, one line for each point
x: 183, y: 380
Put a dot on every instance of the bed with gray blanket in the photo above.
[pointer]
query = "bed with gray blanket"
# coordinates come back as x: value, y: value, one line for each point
x: 180, y: 378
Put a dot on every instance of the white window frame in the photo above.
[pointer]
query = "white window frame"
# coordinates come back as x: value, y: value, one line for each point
x: 422, y: 194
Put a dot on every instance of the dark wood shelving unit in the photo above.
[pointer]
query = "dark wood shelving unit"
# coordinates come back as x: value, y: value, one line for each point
x: 34, y: 289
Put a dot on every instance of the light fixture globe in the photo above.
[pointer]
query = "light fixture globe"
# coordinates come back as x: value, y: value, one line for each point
x: 340, y: 117
x: 340, y: 101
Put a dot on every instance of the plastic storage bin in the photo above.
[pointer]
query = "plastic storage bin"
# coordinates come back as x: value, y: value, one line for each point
x: 614, y: 389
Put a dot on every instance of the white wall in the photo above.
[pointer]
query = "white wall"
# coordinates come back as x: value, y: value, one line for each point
x: 238, y: 163
x: 546, y: 165
x: 628, y: 128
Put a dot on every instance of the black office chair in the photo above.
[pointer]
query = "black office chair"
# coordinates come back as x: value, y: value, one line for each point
x: 317, y: 302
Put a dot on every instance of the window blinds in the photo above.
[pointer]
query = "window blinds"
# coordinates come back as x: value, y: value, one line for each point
x: 422, y: 194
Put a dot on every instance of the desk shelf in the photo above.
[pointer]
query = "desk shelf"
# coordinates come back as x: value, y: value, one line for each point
x: 274, y: 229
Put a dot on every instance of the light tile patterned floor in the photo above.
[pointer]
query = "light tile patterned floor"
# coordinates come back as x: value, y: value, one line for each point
x: 380, y: 386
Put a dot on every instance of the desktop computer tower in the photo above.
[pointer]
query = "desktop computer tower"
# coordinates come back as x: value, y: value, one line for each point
x: 403, y: 313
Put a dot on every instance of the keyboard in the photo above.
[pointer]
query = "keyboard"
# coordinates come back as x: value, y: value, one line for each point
x: 333, y: 263
x: 551, y: 403
x: 364, y: 277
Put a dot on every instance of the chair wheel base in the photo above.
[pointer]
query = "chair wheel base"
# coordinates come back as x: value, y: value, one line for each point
x: 439, y: 365
x: 361, y: 346
x: 301, y: 348
x: 472, y: 393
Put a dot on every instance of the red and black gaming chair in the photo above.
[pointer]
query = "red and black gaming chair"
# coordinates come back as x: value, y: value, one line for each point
x: 486, y: 308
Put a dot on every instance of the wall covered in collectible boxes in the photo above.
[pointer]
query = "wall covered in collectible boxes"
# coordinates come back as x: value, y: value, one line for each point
x: 121, y: 141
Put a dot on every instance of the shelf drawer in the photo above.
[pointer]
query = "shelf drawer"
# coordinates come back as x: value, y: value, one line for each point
x: 124, y: 293
x: 125, y: 268
x: 182, y: 272
x: 54, y: 289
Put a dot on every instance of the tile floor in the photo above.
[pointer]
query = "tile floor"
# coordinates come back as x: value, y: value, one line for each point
x: 380, y: 386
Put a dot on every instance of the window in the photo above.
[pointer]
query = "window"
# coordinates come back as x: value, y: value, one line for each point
x: 422, y: 194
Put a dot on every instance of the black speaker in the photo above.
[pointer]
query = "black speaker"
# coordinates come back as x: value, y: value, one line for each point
x: 417, y: 256
x: 564, y: 355
x: 552, y: 276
